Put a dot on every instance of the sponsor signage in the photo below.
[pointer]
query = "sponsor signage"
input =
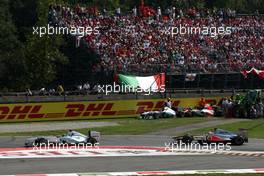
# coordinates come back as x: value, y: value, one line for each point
x: 88, y: 109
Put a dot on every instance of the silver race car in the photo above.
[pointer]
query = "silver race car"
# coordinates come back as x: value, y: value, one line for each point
x: 71, y: 138
x: 165, y: 113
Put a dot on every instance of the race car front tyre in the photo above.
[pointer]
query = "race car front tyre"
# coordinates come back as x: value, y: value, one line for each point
x: 41, y: 141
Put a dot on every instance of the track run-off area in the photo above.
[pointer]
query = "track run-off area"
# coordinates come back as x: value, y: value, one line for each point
x: 129, y: 155
x: 127, y: 159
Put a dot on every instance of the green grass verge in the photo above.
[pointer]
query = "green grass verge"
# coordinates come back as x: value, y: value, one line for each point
x: 134, y: 126
x: 128, y: 126
x: 255, y: 128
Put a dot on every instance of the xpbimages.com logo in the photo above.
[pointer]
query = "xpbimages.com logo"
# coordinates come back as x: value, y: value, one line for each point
x: 116, y: 88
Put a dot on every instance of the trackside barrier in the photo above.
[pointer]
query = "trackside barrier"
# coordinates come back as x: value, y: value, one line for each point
x: 89, y: 109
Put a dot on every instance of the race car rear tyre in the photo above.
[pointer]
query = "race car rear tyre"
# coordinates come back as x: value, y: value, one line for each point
x: 238, y: 140
x: 92, y: 141
x: 186, y: 139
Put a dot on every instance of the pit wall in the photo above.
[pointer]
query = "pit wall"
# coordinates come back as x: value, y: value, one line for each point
x: 89, y: 109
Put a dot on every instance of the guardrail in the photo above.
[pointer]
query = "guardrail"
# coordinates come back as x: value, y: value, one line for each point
x: 92, y: 92
x: 24, y: 97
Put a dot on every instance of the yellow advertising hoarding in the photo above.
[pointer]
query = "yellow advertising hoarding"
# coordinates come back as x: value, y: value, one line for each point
x: 88, y: 109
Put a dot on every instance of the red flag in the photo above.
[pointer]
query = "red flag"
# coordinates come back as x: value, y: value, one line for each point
x: 259, y: 73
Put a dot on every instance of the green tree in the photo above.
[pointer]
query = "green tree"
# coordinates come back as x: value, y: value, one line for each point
x: 43, y: 53
x: 27, y: 60
x: 12, y: 63
x: 81, y: 60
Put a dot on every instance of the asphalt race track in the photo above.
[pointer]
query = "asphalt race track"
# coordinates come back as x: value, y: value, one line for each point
x: 119, y: 164
x: 133, y: 140
x: 125, y: 163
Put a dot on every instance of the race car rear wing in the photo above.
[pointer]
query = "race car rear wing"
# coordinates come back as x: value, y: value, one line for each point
x: 243, y: 133
x: 94, y: 134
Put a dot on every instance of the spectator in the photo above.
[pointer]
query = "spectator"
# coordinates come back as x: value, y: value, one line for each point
x: 42, y: 91
x: 118, y: 11
x: 225, y: 106
x: 60, y: 90
x: 168, y: 103
x: 259, y: 109
x: 230, y: 108
x: 86, y: 86
x: 158, y: 13
x: 135, y: 11
x: 29, y: 93
x: 202, y: 103
x: 253, y: 112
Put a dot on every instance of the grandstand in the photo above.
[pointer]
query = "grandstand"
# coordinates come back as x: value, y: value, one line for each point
x: 135, y: 42
x: 132, y: 38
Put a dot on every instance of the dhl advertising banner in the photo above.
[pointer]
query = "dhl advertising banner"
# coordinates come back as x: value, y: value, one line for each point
x: 88, y: 109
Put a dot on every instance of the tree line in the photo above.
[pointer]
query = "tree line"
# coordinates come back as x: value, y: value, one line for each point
x: 30, y: 61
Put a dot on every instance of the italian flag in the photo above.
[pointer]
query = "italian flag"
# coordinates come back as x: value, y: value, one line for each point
x: 155, y: 82
x: 259, y: 73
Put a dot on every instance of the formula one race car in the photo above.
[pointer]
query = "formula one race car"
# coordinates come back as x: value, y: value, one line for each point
x: 165, y: 113
x: 215, y: 136
x: 71, y: 138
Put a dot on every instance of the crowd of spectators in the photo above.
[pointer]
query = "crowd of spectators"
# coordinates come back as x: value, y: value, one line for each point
x: 229, y: 107
x: 136, y: 41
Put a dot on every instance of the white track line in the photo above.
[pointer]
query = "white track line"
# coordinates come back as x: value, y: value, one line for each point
x: 114, y: 151
x: 219, y: 171
x: 88, y: 153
